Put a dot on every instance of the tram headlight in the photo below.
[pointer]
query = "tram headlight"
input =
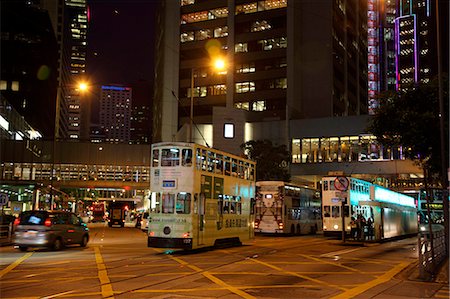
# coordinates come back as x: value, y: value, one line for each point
x: 151, y: 234
x: 348, y: 227
x: 336, y: 226
x: 280, y: 225
x: 324, y: 227
x: 186, y: 235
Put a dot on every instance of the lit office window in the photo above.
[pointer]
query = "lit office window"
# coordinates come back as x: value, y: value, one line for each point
x: 247, y: 8
x: 279, y: 83
x: 194, y: 17
x: 273, y: 43
x: 221, y: 31
x: 187, y: 36
x: 259, y: 106
x: 3, y: 85
x: 218, y: 13
x: 274, y: 4
x: 15, y: 86
x: 241, y: 47
x: 245, y: 68
x: 244, y: 87
x: 218, y: 89
x: 243, y: 106
x: 260, y: 26
x: 203, y: 34
x: 187, y: 2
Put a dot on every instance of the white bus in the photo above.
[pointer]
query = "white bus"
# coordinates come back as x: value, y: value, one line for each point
x: 200, y: 197
x: 392, y: 214
x: 286, y: 208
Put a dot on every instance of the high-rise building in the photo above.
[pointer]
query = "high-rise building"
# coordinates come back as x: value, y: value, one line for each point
x: 115, y: 113
x: 70, y: 24
x: 28, y: 69
x: 141, y: 117
x: 285, y: 60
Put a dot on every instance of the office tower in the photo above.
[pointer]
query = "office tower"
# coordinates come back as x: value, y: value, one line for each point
x: 70, y: 24
x: 285, y: 60
x: 415, y: 42
x: 141, y: 117
x: 28, y: 70
x: 115, y: 113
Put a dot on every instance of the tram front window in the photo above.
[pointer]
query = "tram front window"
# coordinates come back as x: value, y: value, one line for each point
x: 335, y: 211
x: 170, y: 157
x: 183, y: 205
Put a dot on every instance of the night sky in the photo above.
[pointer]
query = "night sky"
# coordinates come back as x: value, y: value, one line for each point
x: 120, y: 41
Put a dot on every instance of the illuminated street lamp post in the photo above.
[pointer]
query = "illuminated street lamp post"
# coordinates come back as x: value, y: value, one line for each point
x: 218, y: 64
x: 82, y: 87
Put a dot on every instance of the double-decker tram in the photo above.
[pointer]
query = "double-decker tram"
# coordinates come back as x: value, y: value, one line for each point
x: 371, y: 212
x: 200, y: 197
x: 283, y: 207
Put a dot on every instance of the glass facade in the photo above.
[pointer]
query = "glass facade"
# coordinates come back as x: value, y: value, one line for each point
x: 359, y: 148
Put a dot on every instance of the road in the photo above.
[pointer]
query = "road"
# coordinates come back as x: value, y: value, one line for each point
x: 118, y: 264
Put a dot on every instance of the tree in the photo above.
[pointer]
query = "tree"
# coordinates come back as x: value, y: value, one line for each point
x: 410, y: 118
x: 269, y: 159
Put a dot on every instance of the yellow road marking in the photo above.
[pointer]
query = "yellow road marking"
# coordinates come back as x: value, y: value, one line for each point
x: 331, y: 263
x: 296, y: 274
x: 215, y: 279
x: 107, y: 290
x: 15, y: 264
x: 364, y: 287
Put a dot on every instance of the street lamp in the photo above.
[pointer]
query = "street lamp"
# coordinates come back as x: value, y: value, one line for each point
x: 82, y: 87
x: 218, y: 64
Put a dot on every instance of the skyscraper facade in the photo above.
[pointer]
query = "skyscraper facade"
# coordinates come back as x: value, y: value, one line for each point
x: 70, y: 24
x: 284, y: 60
x: 28, y: 70
x: 115, y: 113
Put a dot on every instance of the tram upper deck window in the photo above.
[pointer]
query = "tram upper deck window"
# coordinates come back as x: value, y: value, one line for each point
x: 170, y: 157
x: 186, y: 157
x: 326, y: 211
x: 155, y: 158
x: 183, y: 205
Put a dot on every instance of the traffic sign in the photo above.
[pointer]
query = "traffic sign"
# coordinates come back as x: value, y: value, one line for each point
x: 3, y: 199
x: 341, y: 183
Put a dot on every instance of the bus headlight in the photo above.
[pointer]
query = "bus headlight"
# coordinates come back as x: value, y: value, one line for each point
x: 280, y: 225
x: 336, y: 226
x: 348, y: 227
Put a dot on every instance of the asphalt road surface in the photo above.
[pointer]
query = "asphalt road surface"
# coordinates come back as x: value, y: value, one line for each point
x: 118, y: 264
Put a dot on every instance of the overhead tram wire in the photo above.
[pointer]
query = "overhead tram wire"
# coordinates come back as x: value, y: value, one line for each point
x: 191, y: 119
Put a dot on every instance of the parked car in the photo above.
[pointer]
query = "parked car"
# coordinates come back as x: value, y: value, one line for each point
x: 51, y: 229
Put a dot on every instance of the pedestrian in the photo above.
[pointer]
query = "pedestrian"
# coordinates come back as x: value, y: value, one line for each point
x: 370, y: 229
x: 353, y: 228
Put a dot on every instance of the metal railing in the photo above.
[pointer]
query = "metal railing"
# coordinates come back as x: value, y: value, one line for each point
x: 431, y: 255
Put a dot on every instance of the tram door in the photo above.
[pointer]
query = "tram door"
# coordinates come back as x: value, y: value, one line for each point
x: 201, y: 219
